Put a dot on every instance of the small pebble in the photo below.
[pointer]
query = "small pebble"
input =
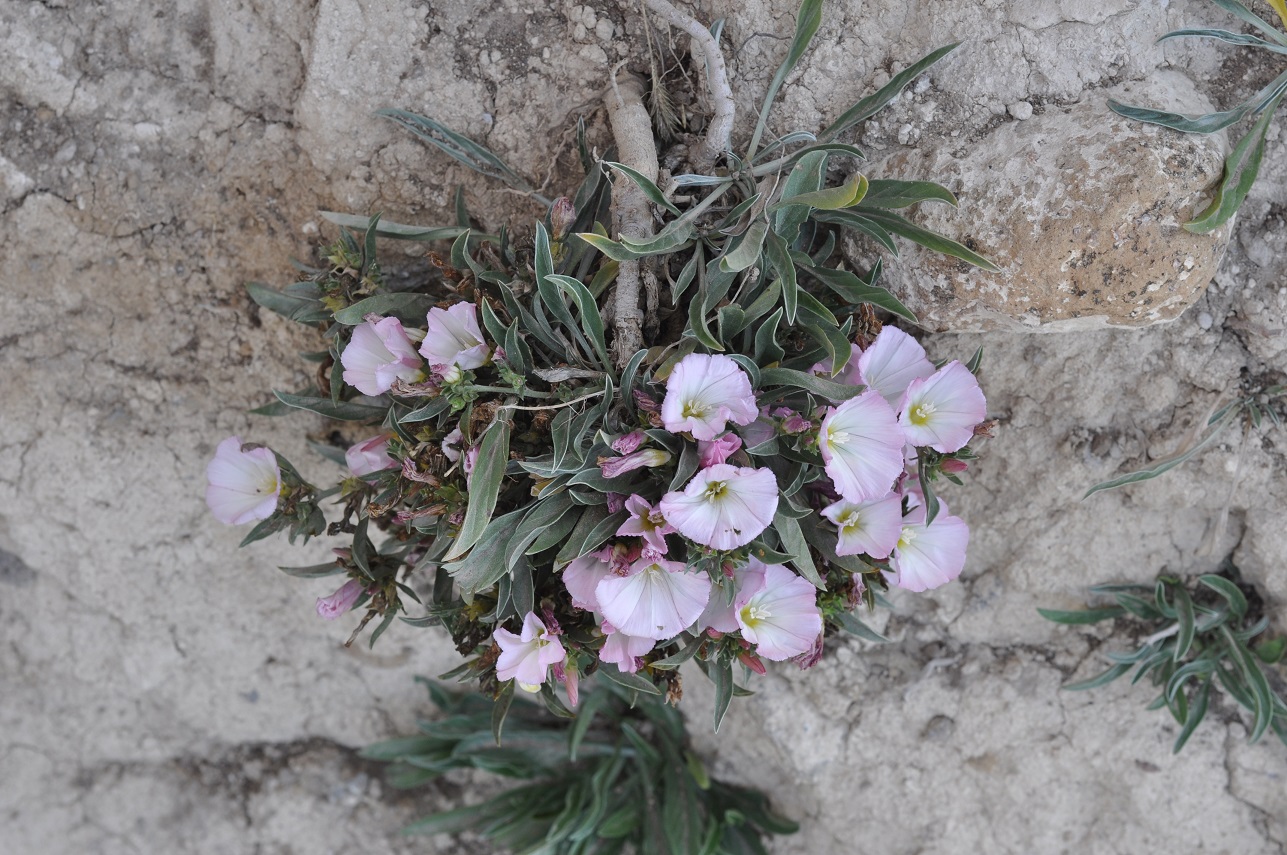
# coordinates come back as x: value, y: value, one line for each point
x: 1020, y: 110
x: 1205, y: 320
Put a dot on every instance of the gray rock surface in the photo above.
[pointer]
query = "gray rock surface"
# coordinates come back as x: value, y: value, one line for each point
x: 1082, y: 211
x: 162, y: 692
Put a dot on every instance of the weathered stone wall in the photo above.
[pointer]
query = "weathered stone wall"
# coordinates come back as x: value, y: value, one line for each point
x: 164, y: 692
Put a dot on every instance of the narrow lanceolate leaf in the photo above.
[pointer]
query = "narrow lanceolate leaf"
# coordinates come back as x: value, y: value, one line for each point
x: 296, y: 307
x: 650, y: 189
x: 1084, y: 616
x: 1242, y: 39
x: 807, y: 20
x: 831, y: 199
x: 1231, y: 592
x: 721, y: 674
x: 1250, y: 17
x: 794, y: 543
x: 618, y: 251
x: 793, y: 379
x: 853, y: 289
x: 805, y: 177
x: 460, y: 147
x: 1185, y: 618
x: 1211, y: 122
x: 884, y: 193
x: 1100, y: 679
x: 779, y: 255
x: 747, y: 252
x: 873, y: 104
x: 1241, y: 168
x: 1197, y: 710
x: 1261, y: 693
x: 484, y: 486
x: 1169, y: 463
x: 409, y: 307
x: 345, y: 411
x: 398, y: 231
x: 902, y: 227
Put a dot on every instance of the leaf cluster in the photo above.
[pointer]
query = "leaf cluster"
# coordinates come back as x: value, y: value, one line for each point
x: 1242, y: 166
x: 623, y: 775
x: 1204, y: 638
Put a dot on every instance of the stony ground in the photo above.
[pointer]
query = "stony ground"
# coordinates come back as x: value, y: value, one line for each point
x: 163, y: 692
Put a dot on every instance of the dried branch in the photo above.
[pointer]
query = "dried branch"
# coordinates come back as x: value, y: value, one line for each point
x: 716, y: 141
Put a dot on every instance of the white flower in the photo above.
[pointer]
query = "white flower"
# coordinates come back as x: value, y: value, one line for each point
x: 894, y: 360
x: 704, y: 393
x: 243, y: 484
x: 724, y: 506
x: 659, y: 599
x: 862, y: 447
x: 941, y: 411
x: 378, y: 354
x: 453, y: 337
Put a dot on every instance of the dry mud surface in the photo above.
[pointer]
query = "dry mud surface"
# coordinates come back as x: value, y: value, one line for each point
x: 161, y: 691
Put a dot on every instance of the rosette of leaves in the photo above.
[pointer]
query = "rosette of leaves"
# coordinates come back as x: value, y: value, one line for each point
x: 1204, y: 635
x: 1242, y: 166
x: 621, y: 776
x: 746, y: 262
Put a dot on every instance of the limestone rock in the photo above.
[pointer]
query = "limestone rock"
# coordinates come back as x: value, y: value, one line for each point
x: 1080, y: 208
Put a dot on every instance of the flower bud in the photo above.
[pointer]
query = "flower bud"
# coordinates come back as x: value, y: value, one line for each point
x: 341, y: 601
x: 562, y: 216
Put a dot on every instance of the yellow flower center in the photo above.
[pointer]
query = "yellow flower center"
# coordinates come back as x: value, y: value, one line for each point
x: 716, y: 490
x: 752, y: 615
x: 920, y: 414
x: 905, y: 539
x: 693, y: 410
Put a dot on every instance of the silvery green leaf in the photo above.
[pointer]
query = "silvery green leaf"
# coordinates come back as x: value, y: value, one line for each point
x: 484, y: 486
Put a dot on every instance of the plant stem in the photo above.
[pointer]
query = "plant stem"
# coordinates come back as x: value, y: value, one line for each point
x: 632, y: 217
x: 716, y: 141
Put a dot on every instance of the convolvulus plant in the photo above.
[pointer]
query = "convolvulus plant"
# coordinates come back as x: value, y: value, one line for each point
x: 600, y: 447
x: 1200, y: 635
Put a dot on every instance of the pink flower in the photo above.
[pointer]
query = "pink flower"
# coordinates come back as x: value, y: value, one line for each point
x: 370, y: 456
x: 792, y: 422
x: 571, y: 680
x: 724, y: 506
x: 451, y: 444
x: 720, y: 613
x: 630, y: 442
x: 870, y: 528
x: 615, y: 501
x: 243, y: 484
x: 778, y: 611
x: 582, y: 576
x: 648, y: 457
x: 862, y: 446
x: 341, y: 601
x: 928, y: 556
x: 717, y: 450
x: 659, y: 599
x: 704, y: 393
x: 646, y: 522
x: 452, y: 337
x: 942, y: 410
x: 894, y: 360
x: 527, y: 657
x: 471, y: 459
x: 623, y: 650
x: 378, y: 354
